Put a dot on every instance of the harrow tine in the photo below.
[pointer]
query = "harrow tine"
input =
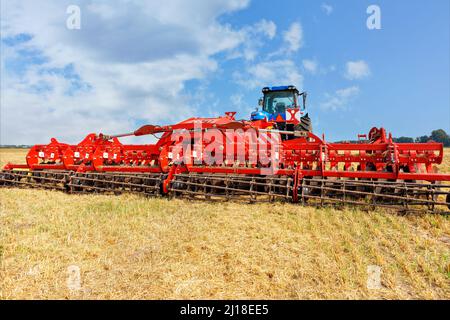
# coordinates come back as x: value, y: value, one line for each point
x: 399, y: 195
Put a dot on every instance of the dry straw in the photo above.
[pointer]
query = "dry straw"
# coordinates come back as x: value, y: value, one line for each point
x: 54, y: 245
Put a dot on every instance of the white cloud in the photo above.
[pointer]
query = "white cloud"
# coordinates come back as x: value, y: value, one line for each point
x: 348, y: 92
x: 340, y: 99
x: 268, y: 73
x: 237, y: 100
x: 269, y: 28
x: 253, y: 38
x: 292, y: 41
x: 328, y: 9
x: 130, y: 62
x: 357, y: 70
x: 313, y: 67
x: 310, y: 65
x: 294, y: 37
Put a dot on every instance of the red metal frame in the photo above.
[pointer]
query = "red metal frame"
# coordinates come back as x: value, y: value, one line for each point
x: 304, y: 156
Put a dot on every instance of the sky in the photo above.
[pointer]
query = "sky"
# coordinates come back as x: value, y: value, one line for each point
x: 159, y: 62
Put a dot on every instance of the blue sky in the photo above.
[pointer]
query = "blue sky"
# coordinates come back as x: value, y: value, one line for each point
x: 162, y: 61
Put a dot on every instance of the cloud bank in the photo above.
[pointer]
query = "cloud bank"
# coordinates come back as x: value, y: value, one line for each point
x: 127, y: 64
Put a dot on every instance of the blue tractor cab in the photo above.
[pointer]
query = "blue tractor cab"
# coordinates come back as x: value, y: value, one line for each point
x: 276, y: 101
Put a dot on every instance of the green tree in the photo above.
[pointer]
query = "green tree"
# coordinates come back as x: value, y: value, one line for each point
x: 403, y: 140
x: 423, y: 139
x: 441, y: 136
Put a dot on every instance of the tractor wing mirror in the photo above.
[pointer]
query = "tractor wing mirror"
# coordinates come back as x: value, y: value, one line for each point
x: 303, y: 95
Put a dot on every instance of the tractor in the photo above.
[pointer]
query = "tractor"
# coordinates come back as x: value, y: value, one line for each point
x: 285, y: 106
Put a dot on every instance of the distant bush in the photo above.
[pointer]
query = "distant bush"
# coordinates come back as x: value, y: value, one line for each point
x: 403, y: 140
x: 15, y: 146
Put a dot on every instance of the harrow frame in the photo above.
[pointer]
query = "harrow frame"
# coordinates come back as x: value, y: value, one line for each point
x: 303, y: 168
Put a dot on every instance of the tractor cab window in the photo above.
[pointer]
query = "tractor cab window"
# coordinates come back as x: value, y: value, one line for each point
x: 278, y: 101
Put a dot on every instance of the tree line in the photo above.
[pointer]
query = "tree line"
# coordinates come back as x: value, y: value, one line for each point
x: 437, y: 135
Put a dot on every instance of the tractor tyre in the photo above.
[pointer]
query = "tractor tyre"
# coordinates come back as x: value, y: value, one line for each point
x: 304, y: 125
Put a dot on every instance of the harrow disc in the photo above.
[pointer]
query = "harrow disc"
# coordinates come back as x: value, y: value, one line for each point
x: 232, y: 187
x: 404, y: 196
x: 35, y: 179
x: 116, y: 183
x: 400, y: 195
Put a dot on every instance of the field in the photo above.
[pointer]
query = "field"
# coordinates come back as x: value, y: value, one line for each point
x: 130, y: 247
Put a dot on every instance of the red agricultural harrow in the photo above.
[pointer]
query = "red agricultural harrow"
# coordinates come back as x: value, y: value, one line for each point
x: 274, y: 156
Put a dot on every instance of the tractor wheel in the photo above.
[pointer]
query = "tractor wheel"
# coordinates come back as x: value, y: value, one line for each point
x: 304, y: 125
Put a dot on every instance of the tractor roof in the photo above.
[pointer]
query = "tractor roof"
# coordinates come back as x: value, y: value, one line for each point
x: 279, y: 88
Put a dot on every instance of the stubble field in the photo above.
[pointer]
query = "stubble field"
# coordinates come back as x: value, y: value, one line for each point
x: 131, y: 247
